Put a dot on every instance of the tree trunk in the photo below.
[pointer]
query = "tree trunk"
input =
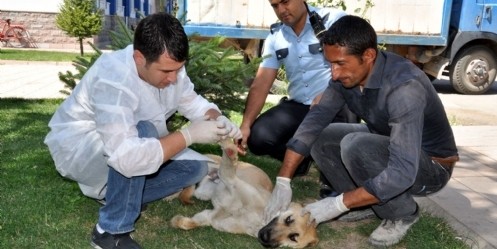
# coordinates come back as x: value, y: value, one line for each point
x: 81, y: 46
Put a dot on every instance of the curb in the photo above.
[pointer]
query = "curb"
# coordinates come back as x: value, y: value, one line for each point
x: 16, y: 62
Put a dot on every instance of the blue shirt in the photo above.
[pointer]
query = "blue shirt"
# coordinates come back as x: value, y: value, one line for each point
x: 306, y: 69
x: 398, y: 101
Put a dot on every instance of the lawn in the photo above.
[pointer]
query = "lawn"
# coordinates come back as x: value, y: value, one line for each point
x: 39, y: 55
x: 40, y: 209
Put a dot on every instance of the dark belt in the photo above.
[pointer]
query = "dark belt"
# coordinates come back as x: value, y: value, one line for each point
x: 446, y: 162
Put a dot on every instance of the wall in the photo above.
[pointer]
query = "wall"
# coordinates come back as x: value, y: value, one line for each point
x: 44, y: 33
x: 38, y: 16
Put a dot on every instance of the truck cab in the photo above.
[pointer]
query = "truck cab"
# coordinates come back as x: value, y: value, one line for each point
x: 472, y: 47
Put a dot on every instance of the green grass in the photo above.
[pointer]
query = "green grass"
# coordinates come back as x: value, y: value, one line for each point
x: 39, y: 55
x: 40, y: 209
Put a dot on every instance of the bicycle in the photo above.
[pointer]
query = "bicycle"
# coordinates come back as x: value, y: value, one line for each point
x: 14, y: 35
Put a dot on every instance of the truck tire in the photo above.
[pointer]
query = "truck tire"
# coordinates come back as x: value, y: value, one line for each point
x: 473, y: 70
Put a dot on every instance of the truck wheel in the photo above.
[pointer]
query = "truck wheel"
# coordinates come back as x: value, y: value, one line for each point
x: 473, y: 70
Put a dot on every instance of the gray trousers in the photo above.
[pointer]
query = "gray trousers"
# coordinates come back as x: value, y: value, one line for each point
x: 348, y: 155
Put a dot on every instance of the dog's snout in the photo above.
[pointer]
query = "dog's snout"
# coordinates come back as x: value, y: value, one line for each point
x: 265, y: 238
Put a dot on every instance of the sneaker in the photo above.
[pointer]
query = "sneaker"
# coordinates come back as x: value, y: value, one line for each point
x: 357, y: 215
x: 112, y: 241
x: 390, y: 232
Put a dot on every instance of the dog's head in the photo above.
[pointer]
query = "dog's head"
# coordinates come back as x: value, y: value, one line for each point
x: 289, y: 229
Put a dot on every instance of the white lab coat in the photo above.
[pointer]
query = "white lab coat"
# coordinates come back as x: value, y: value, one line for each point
x: 96, y: 125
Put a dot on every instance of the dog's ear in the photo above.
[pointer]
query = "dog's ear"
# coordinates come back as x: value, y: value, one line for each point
x: 314, y: 224
x: 311, y: 236
x: 312, y: 243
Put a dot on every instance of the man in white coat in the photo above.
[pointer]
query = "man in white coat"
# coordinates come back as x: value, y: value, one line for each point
x: 110, y: 134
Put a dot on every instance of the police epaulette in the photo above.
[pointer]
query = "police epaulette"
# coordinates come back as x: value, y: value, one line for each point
x: 275, y: 27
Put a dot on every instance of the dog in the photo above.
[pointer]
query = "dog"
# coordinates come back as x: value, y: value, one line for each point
x: 239, y: 192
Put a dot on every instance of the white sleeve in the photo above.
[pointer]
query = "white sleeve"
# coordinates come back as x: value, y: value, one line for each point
x: 191, y: 104
x: 114, y: 105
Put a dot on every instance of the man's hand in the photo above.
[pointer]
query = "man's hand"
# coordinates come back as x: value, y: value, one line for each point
x: 203, y: 131
x: 233, y: 130
x: 325, y: 209
x: 280, y: 199
x: 242, y: 143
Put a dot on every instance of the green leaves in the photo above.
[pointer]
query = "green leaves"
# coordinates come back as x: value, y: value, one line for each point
x: 82, y: 65
x: 122, y: 37
x: 80, y: 19
x: 219, y: 74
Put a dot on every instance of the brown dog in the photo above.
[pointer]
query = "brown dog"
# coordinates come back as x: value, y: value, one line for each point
x: 239, y: 195
x: 289, y: 229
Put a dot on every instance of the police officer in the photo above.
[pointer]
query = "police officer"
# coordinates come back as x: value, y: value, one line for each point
x: 292, y: 43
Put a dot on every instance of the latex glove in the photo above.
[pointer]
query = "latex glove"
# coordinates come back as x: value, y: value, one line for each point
x: 325, y: 209
x: 280, y: 199
x: 203, y: 131
x: 233, y: 130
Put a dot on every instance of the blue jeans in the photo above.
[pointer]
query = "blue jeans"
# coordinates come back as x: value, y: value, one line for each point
x: 125, y: 196
x: 348, y: 155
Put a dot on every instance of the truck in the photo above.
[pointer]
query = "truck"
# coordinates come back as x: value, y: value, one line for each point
x: 445, y: 38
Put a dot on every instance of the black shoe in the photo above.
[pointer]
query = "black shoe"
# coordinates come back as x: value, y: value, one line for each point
x: 303, y: 168
x: 327, y: 191
x: 112, y: 241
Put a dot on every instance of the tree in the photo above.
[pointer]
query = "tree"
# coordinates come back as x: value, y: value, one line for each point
x: 79, y: 18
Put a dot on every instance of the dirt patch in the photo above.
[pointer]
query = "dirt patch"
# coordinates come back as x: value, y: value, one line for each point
x: 351, y: 238
x: 464, y: 109
x: 469, y: 117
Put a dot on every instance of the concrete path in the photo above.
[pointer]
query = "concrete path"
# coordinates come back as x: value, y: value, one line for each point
x: 468, y: 202
x: 32, y: 79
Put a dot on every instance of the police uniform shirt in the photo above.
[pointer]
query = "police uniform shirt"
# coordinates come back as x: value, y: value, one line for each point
x: 306, y: 69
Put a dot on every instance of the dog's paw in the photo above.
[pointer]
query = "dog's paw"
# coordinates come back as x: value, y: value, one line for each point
x: 185, y: 197
x: 182, y: 222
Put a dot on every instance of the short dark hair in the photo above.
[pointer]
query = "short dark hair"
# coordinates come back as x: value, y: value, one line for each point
x: 352, y: 32
x: 159, y: 33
